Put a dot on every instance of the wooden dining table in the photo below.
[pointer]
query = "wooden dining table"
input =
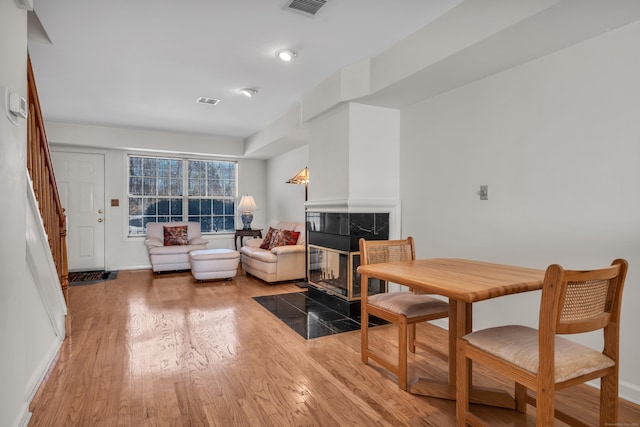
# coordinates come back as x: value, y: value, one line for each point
x: 463, y: 282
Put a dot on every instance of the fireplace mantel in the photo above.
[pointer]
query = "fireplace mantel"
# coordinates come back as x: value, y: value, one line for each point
x: 359, y: 205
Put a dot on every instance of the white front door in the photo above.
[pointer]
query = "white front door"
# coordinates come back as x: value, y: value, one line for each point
x: 80, y: 178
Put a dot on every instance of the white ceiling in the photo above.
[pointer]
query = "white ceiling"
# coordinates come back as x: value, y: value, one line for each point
x: 143, y: 63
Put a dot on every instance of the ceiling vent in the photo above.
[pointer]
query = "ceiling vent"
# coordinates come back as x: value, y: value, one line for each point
x: 308, y: 7
x: 205, y: 100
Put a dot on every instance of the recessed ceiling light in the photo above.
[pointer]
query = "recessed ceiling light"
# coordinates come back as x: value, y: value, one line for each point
x: 286, y: 54
x: 205, y: 100
x: 248, y: 92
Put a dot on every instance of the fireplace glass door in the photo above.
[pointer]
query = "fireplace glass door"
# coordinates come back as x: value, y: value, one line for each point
x: 336, y: 272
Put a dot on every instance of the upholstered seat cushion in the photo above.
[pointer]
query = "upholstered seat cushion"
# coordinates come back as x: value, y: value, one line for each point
x: 257, y: 253
x: 408, y: 303
x: 172, y: 250
x: 519, y: 345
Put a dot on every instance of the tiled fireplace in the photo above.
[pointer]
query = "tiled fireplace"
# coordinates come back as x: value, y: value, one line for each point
x: 334, y: 256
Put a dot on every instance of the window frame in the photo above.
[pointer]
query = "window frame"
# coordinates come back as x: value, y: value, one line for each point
x: 186, y: 199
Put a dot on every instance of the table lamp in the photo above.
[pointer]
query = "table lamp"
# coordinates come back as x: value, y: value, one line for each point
x: 247, y: 206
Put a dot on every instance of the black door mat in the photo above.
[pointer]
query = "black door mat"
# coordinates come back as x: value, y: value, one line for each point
x: 79, y: 278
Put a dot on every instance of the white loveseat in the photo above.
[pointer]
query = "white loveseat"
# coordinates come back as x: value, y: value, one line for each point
x: 278, y: 264
x: 176, y: 257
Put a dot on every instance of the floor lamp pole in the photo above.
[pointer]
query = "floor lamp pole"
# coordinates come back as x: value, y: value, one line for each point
x: 302, y: 177
x: 306, y: 238
x: 305, y: 284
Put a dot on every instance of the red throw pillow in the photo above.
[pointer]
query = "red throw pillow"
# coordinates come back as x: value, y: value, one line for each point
x: 284, y: 237
x: 266, y: 242
x: 175, y: 236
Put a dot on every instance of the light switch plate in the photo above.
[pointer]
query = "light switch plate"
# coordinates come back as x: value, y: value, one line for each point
x: 484, y: 192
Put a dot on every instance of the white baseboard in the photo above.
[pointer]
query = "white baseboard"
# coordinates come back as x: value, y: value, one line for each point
x: 630, y: 392
x: 24, y: 416
x: 626, y: 391
x: 132, y: 267
x: 442, y: 323
x: 34, y: 382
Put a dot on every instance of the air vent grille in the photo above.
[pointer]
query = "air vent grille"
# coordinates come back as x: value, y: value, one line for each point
x: 310, y: 7
x: 205, y: 100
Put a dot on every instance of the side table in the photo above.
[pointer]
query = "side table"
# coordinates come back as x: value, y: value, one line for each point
x: 242, y: 233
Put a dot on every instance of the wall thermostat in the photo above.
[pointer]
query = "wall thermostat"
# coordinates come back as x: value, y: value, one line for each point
x: 16, y: 107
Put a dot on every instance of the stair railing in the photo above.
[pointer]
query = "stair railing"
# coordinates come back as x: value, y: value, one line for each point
x: 42, y: 176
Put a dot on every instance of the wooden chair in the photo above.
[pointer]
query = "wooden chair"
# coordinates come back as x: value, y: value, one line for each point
x: 404, y: 309
x: 572, y: 302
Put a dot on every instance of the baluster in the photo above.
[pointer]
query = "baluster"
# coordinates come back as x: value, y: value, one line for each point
x: 40, y: 169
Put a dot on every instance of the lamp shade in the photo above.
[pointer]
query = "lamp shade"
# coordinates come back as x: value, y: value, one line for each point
x: 247, y: 204
x: 301, y: 177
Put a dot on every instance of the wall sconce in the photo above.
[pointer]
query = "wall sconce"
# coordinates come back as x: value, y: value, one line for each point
x: 247, y: 206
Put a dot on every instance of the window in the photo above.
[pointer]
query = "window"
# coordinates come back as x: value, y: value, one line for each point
x: 166, y: 189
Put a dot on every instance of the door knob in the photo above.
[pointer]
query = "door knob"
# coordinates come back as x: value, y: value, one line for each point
x: 100, y: 220
x: 99, y: 211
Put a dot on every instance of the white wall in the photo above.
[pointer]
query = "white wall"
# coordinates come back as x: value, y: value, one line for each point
x: 43, y: 318
x: 558, y: 141
x: 353, y: 153
x: 374, y: 141
x: 13, y: 71
x: 121, y: 251
x: 329, y: 156
x: 142, y: 139
x: 285, y: 202
x: 31, y: 305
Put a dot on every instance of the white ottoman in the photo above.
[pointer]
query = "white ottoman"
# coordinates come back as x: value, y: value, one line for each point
x: 214, y: 263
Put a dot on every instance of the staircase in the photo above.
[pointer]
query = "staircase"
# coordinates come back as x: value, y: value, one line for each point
x: 40, y: 168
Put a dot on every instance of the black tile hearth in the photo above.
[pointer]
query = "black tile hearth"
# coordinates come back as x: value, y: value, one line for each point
x: 307, y: 316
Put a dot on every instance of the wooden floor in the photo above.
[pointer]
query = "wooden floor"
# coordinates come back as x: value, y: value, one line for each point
x: 162, y: 350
